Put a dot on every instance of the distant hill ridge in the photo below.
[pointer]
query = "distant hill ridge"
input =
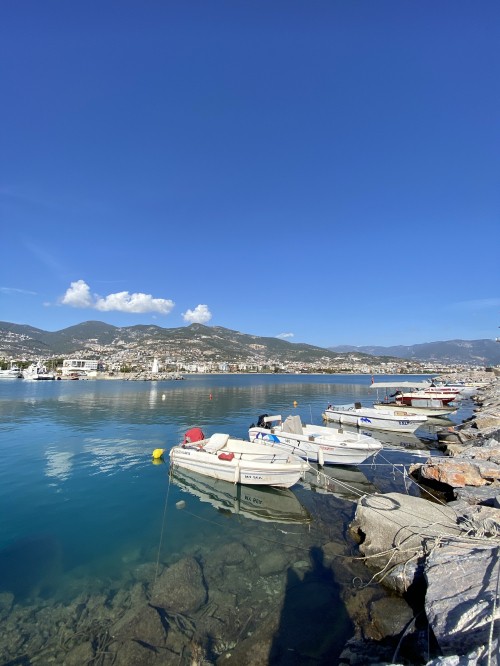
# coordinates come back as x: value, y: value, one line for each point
x: 210, y: 343
x: 218, y: 343
x: 479, y: 352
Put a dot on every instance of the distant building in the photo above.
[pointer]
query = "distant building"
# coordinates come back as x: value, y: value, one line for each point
x: 80, y: 366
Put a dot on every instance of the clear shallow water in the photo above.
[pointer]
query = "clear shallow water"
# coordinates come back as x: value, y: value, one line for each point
x: 82, y: 507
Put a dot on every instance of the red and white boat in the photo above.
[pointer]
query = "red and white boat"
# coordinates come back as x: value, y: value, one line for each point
x: 415, y: 398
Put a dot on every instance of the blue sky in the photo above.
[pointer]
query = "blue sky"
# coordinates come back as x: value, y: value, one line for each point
x: 326, y: 172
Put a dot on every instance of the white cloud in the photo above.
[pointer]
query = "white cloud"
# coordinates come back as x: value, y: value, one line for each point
x: 200, y: 315
x: 78, y: 296
x: 284, y: 336
x: 139, y: 303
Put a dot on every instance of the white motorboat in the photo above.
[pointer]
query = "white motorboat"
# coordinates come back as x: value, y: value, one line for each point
x: 236, y: 460
x: 14, y: 372
x: 355, y: 414
x: 262, y: 503
x: 38, y: 371
x: 463, y: 390
x: 320, y: 444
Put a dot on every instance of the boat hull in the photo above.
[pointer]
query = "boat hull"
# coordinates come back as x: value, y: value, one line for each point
x: 265, y: 504
x: 318, y: 444
x: 248, y: 469
x: 373, y: 419
x: 427, y: 410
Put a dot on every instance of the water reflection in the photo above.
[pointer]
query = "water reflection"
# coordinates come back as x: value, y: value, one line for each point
x: 112, y: 455
x: 278, y: 505
x: 345, y: 482
x: 59, y: 464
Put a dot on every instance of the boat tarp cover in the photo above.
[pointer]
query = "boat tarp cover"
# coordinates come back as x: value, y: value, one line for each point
x: 399, y: 385
x: 193, y: 435
x: 293, y: 425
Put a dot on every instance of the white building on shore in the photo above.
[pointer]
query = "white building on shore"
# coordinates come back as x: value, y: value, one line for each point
x: 80, y: 366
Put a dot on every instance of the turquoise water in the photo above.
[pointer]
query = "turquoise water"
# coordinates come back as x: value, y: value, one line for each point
x: 83, y: 508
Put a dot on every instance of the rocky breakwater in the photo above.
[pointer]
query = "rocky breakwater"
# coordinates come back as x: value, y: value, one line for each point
x: 440, y: 550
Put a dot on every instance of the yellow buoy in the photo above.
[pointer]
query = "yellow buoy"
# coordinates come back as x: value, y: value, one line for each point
x: 295, y: 403
x: 158, y: 453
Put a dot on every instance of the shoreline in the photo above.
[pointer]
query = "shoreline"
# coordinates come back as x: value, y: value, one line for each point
x: 442, y: 556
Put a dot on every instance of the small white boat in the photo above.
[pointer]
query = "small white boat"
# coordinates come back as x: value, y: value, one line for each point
x: 262, y: 503
x: 14, y: 372
x: 236, y: 460
x: 320, y: 444
x: 38, y: 372
x: 355, y: 414
x: 463, y: 390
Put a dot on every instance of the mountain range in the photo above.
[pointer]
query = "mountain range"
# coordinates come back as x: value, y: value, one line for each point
x: 195, y: 342
x: 475, y: 352
x: 214, y: 343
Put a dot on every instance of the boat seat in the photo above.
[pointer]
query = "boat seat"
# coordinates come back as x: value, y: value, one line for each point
x: 217, y: 441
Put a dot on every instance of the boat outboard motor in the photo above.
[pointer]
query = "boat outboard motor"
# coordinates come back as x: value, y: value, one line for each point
x: 261, y: 423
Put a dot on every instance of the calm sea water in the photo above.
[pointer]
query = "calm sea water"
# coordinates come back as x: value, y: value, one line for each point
x: 82, y: 506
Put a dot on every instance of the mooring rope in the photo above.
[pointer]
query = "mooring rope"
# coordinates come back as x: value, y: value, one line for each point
x: 162, y: 527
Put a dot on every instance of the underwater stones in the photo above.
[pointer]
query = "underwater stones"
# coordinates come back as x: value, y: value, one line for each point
x: 139, y: 641
x: 253, y: 650
x: 233, y: 554
x: 81, y: 654
x: 6, y: 601
x: 230, y: 568
x: 272, y: 562
x: 180, y: 588
x: 147, y: 572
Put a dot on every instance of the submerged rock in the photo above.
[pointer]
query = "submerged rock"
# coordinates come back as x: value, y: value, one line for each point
x: 181, y: 587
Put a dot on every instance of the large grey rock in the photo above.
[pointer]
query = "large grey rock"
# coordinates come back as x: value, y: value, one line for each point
x: 462, y: 597
x: 471, y: 659
x: 398, y: 529
x: 480, y: 521
x: 180, y: 588
x: 487, y: 495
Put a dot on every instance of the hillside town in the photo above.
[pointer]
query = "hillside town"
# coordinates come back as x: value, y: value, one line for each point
x: 145, y: 367
x: 95, y: 349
